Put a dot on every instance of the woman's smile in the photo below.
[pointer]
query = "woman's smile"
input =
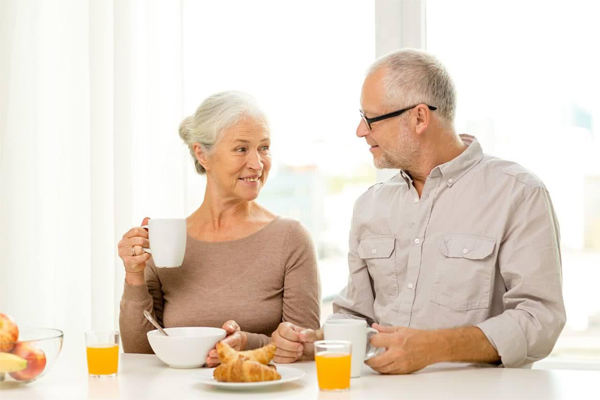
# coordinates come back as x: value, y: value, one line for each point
x: 252, y: 181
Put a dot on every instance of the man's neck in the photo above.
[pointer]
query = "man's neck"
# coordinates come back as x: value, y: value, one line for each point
x: 439, y: 151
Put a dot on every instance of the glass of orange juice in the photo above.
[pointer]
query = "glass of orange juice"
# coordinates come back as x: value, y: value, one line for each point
x: 333, y: 359
x: 102, y: 350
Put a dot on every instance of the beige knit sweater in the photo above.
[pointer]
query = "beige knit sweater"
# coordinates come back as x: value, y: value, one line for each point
x: 259, y: 281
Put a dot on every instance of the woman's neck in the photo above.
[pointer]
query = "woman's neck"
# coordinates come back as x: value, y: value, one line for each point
x: 217, y: 213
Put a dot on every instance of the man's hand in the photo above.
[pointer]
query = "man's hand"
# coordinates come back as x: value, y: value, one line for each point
x: 407, y: 350
x: 294, y: 343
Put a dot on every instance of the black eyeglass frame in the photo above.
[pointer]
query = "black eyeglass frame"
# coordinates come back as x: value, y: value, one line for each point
x: 369, y: 121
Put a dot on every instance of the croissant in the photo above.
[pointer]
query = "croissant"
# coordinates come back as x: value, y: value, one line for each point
x: 264, y: 355
x: 245, y: 366
x: 245, y: 371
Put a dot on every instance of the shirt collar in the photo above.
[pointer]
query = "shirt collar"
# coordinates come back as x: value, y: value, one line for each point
x: 406, y: 177
x: 455, y: 169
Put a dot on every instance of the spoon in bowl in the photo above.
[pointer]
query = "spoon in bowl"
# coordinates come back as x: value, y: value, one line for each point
x: 153, y: 322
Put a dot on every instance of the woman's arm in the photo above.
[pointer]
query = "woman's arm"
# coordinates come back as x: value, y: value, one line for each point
x: 301, y: 287
x: 137, y: 298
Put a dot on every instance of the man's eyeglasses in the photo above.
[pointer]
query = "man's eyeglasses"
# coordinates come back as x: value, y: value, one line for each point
x: 369, y: 121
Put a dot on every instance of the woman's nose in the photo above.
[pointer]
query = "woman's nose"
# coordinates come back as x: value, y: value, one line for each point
x: 254, y: 161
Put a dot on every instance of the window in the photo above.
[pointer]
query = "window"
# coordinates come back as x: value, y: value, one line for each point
x: 305, y: 65
x: 527, y: 80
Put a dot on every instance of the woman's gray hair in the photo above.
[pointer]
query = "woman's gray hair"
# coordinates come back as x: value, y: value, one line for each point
x: 414, y: 77
x: 218, y: 112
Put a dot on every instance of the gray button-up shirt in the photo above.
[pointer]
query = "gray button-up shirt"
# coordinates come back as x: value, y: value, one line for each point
x: 480, y: 247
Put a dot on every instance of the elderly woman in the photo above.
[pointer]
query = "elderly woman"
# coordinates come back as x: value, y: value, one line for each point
x: 245, y: 268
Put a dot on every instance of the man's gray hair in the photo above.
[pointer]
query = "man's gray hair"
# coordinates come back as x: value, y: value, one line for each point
x: 217, y: 113
x: 414, y: 77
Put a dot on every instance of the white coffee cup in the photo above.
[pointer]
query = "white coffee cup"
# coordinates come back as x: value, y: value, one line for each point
x: 357, y: 332
x: 167, y: 241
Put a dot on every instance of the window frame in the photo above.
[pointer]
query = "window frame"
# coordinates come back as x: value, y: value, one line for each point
x: 398, y: 24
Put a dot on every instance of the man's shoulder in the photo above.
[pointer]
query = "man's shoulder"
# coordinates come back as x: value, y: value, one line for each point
x: 512, y: 171
x: 383, y: 190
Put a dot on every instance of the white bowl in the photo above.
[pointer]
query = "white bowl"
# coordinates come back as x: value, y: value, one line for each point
x: 185, y: 347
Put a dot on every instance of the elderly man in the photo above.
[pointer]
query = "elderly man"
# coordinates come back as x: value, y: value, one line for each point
x: 457, y: 257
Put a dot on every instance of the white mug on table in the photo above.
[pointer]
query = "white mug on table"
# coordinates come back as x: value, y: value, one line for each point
x: 167, y: 238
x: 357, y: 332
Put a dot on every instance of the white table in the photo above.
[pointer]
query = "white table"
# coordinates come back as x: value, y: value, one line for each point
x: 146, y: 377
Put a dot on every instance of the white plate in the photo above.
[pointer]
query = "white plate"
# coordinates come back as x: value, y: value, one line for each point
x: 288, y: 374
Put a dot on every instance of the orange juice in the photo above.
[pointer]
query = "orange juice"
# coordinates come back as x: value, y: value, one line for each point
x: 333, y: 371
x: 103, y: 359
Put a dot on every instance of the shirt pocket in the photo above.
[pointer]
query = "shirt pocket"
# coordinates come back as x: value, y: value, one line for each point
x: 463, y: 272
x: 378, y: 253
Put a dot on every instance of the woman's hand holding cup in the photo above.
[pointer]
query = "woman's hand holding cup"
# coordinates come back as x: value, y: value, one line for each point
x: 131, y: 251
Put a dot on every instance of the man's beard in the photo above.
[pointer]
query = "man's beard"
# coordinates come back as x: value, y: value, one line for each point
x: 401, y: 154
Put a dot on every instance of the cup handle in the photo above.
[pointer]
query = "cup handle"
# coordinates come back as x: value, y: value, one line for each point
x: 143, y: 248
x: 371, y: 350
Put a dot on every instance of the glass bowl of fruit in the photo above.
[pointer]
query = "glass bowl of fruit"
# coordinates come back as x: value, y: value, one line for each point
x: 26, y: 354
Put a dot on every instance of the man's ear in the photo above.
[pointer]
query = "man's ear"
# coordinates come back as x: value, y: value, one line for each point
x: 423, y: 118
x: 201, y: 156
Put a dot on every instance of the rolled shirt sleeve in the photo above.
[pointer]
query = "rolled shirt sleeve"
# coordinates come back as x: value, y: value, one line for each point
x: 529, y: 261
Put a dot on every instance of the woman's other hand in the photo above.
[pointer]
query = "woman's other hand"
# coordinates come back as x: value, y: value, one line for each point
x: 131, y: 252
x: 235, y: 338
x: 294, y: 343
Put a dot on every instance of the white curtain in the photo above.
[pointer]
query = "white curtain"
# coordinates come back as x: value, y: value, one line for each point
x: 90, y: 101
x: 91, y: 96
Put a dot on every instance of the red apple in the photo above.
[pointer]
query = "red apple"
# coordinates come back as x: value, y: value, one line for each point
x: 9, y: 333
x: 36, y: 361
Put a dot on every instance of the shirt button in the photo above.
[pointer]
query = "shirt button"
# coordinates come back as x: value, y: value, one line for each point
x: 410, y: 286
x: 374, y: 251
x: 450, y: 180
x: 416, y: 200
x: 465, y: 250
x: 417, y: 241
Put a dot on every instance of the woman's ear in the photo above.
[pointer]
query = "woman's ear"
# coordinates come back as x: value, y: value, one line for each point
x: 201, y: 156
